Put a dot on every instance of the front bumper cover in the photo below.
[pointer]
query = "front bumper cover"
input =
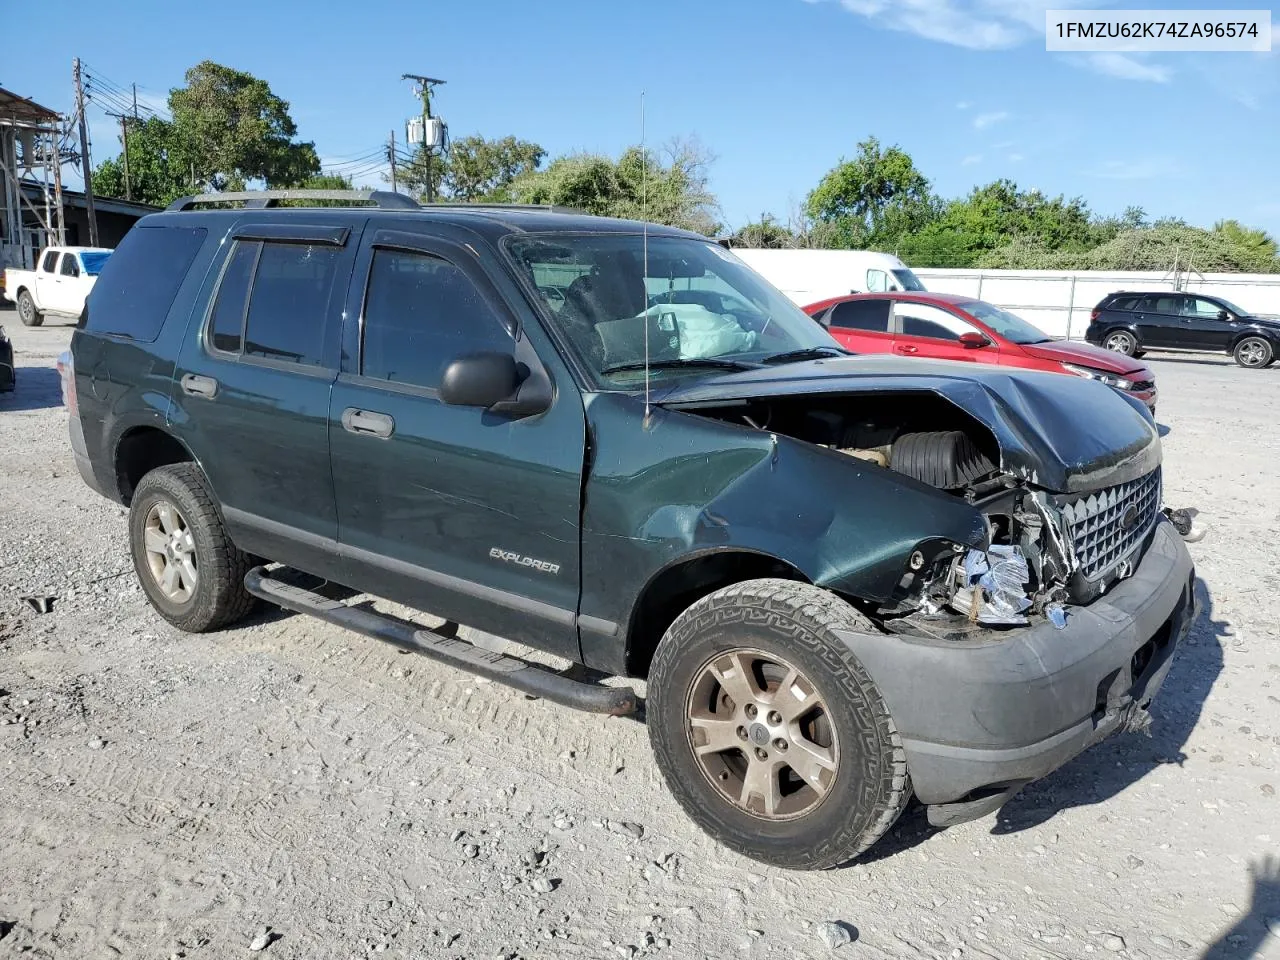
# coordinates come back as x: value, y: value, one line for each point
x: 979, y: 719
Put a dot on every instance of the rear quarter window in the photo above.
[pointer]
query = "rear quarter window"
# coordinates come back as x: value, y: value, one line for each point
x: 1123, y: 303
x: 139, y: 281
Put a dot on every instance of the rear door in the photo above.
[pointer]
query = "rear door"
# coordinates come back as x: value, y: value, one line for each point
x: 1159, y: 320
x: 1202, y: 328
x: 253, y: 385
x: 861, y: 325
x: 469, y: 514
x: 924, y: 330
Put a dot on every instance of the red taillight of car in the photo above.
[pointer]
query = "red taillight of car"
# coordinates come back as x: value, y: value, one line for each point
x: 1093, y: 314
x: 67, y: 375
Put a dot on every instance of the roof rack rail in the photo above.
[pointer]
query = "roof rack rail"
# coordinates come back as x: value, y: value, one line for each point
x: 481, y: 205
x: 259, y: 199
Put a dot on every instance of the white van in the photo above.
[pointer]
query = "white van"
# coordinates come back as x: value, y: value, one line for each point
x: 807, y: 276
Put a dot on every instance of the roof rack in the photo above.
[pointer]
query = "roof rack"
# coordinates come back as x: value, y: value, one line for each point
x: 548, y: 207
x: 259, y: 199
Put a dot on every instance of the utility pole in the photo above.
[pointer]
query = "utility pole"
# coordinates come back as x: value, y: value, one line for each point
x: 85, y: 164
x: 124, y: 138
x: 424, y: 90
x: 391, y: 155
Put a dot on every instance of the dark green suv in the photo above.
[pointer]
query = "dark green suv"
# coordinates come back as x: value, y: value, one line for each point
x: 846, y: 580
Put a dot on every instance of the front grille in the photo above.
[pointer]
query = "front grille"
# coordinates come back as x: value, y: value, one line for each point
x: 1097, y: 527
x: 1142, y: 384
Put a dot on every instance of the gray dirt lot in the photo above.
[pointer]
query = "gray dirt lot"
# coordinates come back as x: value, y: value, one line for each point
x: 168, y: 795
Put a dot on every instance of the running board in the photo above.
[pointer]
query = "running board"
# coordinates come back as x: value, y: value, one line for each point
x: 440, y: 644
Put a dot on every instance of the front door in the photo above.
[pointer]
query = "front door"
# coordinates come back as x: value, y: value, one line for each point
x: 251, y: 392
x: 923, y: 330
x: 1202, y: 327
x: 73, y: 285
x: 466, y: 513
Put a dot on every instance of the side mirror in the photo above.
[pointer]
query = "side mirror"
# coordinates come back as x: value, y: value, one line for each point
x: 480, y: 380
x: 974, y: 340
x: 1223, y: 315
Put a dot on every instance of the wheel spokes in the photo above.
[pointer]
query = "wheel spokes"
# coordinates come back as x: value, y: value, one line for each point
x: 733, y: 671
x: 811, y: 762
x: 761, y: 784
x: 714, y: 735
x: 154, y: 540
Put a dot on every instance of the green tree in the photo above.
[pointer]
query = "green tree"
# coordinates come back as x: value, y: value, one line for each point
x: 873, y: 198
x: 766, y: 233
x: 480, y: 169
x: 1255, y: 246
x: 234, y: 130
x: 638, y: 185
x: 157, y: 172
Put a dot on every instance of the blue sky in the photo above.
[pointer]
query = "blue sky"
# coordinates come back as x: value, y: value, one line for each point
x: 777, y: 90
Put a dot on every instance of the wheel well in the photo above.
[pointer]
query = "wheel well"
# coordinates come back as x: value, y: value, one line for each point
x: 140, y: 451
x: 676, y: 588
x: 1245, y: 335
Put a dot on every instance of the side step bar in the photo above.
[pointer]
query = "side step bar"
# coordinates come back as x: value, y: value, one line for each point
x: 440, y: 645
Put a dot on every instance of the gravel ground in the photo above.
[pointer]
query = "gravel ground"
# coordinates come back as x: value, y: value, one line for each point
x: 293, y: 788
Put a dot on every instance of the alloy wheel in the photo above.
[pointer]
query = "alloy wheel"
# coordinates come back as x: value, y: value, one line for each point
x: 170, y: 551
x: 762, y: 734
x: 1252, y: 353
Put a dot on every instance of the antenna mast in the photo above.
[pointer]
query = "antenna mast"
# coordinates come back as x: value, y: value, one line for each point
x: 644, y: 218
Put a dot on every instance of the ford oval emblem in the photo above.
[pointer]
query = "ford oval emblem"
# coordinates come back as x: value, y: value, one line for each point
x: 1129, y: 518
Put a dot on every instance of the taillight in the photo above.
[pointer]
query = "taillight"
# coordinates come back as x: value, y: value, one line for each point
x: 67, y: 376
x: 1093, y: 314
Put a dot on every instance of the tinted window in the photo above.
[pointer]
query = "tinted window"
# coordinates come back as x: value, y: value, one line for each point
x: 93, y: 261
x: 50, y: 261
x: 1167, y: 304
x: 289, y: 300
x: 138, y: 283
x: 907, y: 280
x: 226, y: 325
x: 923, y: 320
x: 420, y: 314
x: 1124, y: 303
x: 872, y: 315
x: 69, y: 266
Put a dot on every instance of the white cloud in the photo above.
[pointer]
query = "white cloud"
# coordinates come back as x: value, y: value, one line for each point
x: 971, y: 159
x: 1144, y: 168
x: 1002, y: 145
x: 997, y: 25
x: 984, y: 120
x: 1016, y: 158
x: 1126, y: 67
x: 963, y: 105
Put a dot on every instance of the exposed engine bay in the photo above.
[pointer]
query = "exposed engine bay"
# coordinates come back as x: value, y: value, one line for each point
x: 1044, y: 550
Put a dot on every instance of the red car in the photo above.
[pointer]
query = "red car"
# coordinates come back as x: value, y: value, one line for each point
x: 945, y: 326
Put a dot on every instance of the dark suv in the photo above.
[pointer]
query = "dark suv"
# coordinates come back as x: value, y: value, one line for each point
x: 1132, y: 323
x: 846, y: 580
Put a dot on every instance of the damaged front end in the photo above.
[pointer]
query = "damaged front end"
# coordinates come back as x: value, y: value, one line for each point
x: 1056, y: 533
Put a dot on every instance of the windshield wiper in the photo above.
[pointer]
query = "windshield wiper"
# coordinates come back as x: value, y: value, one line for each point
x: 682, y: 362
x: 808, y: 353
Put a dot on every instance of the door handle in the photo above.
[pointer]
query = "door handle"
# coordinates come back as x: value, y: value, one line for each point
x: 368, y: 422
x: 906, y: 348
x: 197, y: 386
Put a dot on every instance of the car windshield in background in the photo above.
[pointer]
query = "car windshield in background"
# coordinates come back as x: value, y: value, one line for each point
x: 693, y: 303
x: 93, y: 262
x: 908, y: 280
x: 1008, y: 325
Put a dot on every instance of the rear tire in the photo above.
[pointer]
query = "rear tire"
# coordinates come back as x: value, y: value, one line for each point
x: 27, y: 312
x: 1254, y: 353
x: 806, y: 701
x: 1121, y: 341
x: 187, y: 565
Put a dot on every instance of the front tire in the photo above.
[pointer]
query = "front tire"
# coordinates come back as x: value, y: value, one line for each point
x: 1254, y: 353
x: 769, y: 732
x: 187, y: 565
x: 1121, y: 341
x: 27, y: 312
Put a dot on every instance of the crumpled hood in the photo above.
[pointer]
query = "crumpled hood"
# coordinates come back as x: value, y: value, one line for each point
x: 1064, y: 434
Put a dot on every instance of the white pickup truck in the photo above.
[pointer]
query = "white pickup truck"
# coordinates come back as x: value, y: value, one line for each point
x: 57, y: 286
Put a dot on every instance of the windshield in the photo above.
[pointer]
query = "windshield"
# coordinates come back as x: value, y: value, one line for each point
x: 907, y: 279
x: 93, y: 262
x: 1008, y: 325
x: 695, y: 303
x: 1232, y: 307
